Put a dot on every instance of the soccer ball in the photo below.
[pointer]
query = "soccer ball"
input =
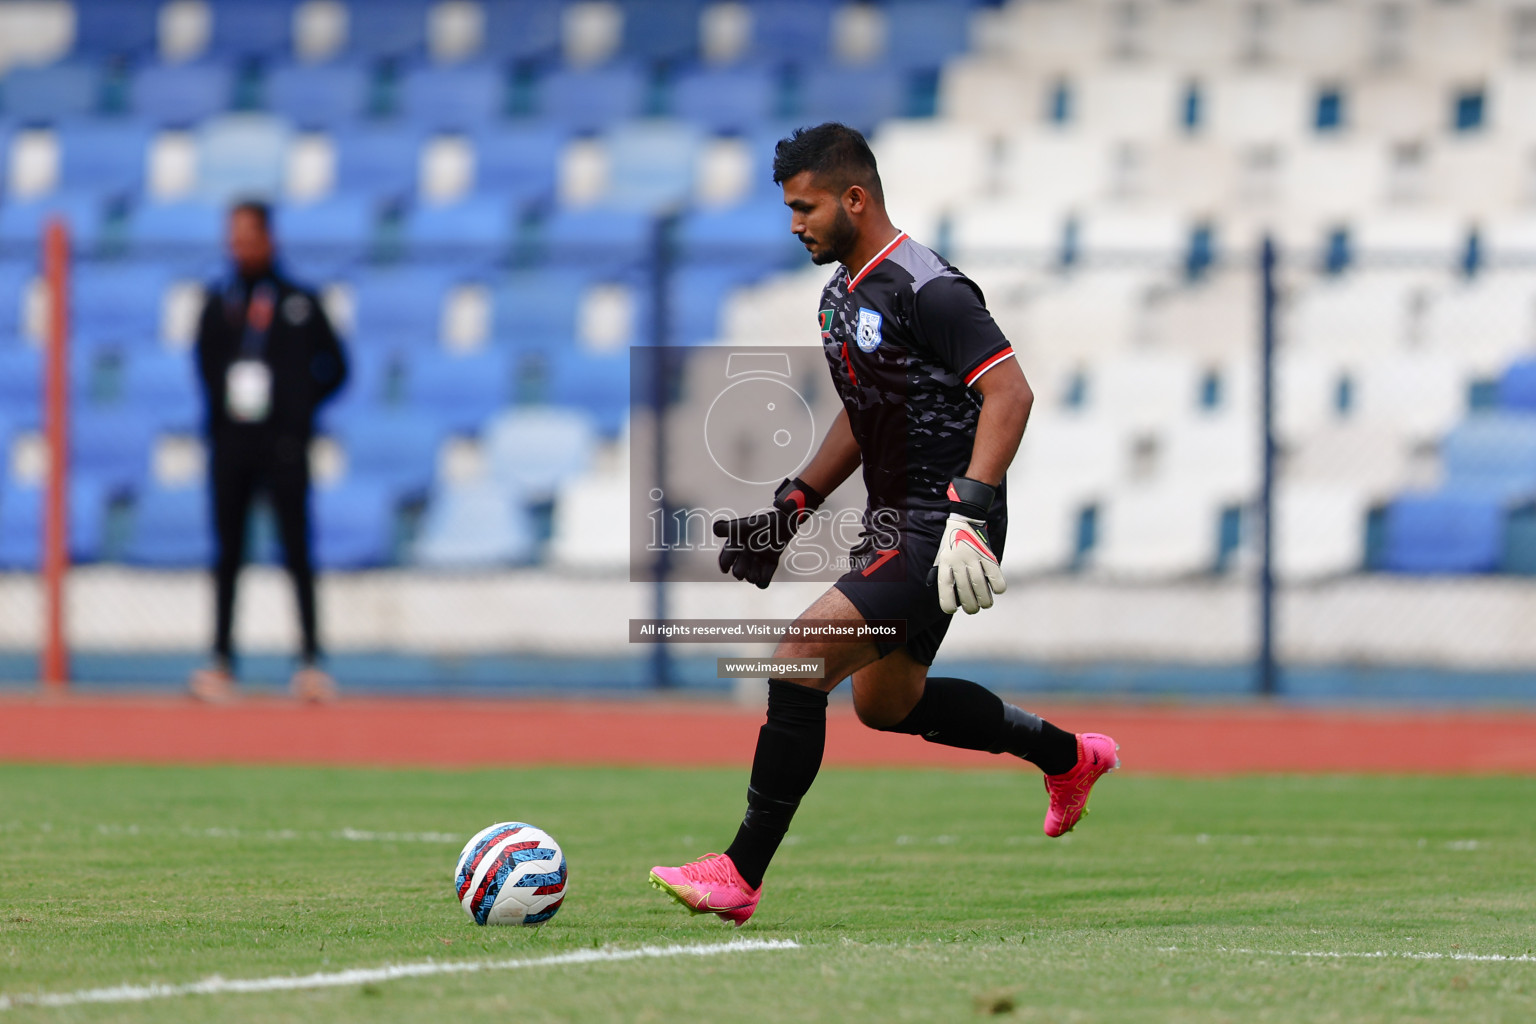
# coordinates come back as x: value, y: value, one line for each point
x: 511, y: 873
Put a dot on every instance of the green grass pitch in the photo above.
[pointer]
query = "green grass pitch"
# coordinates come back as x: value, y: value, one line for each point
x: 922, y: 896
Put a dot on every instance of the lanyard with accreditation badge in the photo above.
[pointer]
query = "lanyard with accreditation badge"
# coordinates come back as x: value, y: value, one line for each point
x: 248, y: 386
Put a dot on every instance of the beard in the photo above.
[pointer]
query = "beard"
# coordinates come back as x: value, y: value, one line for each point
x: 840, y: 240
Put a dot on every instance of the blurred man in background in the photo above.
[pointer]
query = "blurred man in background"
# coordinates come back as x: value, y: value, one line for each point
x: 267, y: 358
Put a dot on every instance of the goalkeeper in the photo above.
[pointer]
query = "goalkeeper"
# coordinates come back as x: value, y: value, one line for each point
x: 934, y: 407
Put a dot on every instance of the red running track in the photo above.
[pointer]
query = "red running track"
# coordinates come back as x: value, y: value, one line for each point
x: 439, y: 733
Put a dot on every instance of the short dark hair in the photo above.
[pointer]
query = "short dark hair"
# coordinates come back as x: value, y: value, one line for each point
x: 258, y: 208
x: 831, y: 151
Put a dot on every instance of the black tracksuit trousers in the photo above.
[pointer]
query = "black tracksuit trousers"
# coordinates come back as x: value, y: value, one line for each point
x: 245, y: 461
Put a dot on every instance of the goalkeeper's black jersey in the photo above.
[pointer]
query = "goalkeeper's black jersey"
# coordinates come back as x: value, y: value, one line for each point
x: 905, y: 338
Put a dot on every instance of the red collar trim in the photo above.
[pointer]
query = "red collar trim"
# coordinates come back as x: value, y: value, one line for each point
x: 872, y: 264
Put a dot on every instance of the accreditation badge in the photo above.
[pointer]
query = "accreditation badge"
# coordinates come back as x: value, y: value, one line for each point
x: 248, y: 391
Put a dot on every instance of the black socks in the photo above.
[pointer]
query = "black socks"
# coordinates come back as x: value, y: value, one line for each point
x: 960, y: 713
x: 789, y: 748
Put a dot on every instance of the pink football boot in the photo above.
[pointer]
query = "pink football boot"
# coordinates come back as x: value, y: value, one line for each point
x: 709, y: 885
x: 1069, y: 791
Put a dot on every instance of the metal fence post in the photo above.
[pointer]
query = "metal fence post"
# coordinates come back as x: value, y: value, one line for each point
x: 1267, y: 670
x: 54, y: 667
x: 661, y: 275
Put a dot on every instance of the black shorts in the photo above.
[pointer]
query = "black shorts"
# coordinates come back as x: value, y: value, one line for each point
x: 893, y: 584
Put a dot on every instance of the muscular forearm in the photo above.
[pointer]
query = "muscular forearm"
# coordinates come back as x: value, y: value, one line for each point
x: 836, y: 459
x: 1006, y: 401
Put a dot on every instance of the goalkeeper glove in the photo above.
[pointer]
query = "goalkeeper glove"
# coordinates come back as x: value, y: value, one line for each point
x: 965, y: 568
x: 754, y: 543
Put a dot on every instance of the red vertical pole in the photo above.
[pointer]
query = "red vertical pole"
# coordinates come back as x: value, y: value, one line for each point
x: 55, y: 657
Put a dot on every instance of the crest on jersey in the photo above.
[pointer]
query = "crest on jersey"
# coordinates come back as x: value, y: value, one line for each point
x: 825, y: 318
x: 867, y: 330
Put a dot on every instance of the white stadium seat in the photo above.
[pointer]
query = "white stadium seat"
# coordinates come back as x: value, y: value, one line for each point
x: 930, y: 168
x: 1510, y: 98
x: 1335, y: 178
x: 1058, y: 34
x: 1144, y: 390
x: 1158, y: 530
x: 1418, y: 396
x: 1319, y: 530
x: 1486, y: 322
x: 1214, y: 318
x: 1251, y: 107
x: 584, y: 536
x: 990, y: 93
x: 1375, y: 461
x: 1323, y: 38
x: 1216, y: 455
x: 1026, y: 231
x: 1354, y: 315
x: 1086, y: 315
x: 1397, y: 106
x: 1056, y: 169
x: 1129, y: 103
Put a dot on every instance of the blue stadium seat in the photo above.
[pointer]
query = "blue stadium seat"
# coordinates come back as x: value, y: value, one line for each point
x: 50, y: 93
x: 1494, y: 455
x: 390, y: 29
x: 112, y: 446
x: 532, y: 450
x: 22, y: 222
x: 597, y: 383
x: 252, y: 28
x: 661, y: 30
x: 695, y: 296
x: 591, y: 99
x: 521, y: 30
x: 458, y: 97
x: 21, y: 387
x: 187, y: 236
x: 172, y: 528
x: 537, y: 309
x: 791, y: 31
x: 1520, y: 541
x: 241, y: 156
x: 15, y: 278
x: 1446, y: 532
x: 651, y: 164
x: 103, y: 155
x: 353, y: 524
x: 461, y: 392
x: 518, y: 161
x: 163, y: 386
x: 116, y: 28
x: 599, y: 239
x: 21, y: 523
x: 118, y: 302
x: 476, y: 230
x: 378, y: 161
x: 396, y: 448
x: 318, y: 96
x: 861, y: 97
x: 473, y: 526
x: 1517, y: 387
x: 922, y: 34
x: 400, y: 307
x: 321, y: 239
x: 729, y: 99
x: 180, y: 95
x: 370, y: 371
x: 753, y: 236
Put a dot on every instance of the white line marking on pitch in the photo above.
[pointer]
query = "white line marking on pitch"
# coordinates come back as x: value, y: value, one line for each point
x: 1501, y: 958
x: 366, y: 975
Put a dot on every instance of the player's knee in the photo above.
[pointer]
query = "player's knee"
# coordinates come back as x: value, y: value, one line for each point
x: 881, y: 715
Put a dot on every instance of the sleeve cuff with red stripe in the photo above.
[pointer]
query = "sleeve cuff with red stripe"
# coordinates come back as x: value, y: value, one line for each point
x: 987, y: 364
